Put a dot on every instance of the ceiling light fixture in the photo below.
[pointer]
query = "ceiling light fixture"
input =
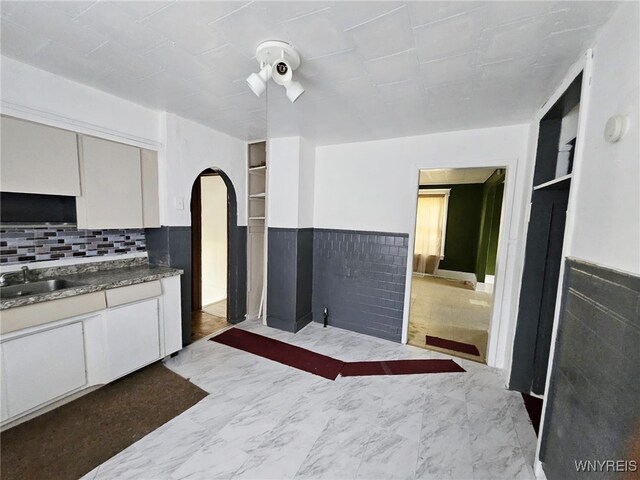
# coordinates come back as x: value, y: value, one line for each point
x: 278, y: 60
x: 258, y: 81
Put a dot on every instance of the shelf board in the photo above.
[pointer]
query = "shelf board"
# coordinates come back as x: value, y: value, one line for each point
x: 258, y: 195
x: 553, y: 183
x: 256, y: 218
x: 261, y: 168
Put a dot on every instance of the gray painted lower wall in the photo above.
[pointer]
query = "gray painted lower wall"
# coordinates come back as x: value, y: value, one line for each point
x: 593, y: 411
x: 237, y: 303
x: 171, y: 246
x: 289, y: 277
x: 360, y: 278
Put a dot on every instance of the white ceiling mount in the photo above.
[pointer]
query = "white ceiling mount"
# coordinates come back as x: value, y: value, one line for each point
x: 278, y: 60
x: 271, y: 50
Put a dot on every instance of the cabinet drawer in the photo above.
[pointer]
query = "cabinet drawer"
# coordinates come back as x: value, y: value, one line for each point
x: 133, y: 293
x: 41, y: 367
x: 18, y: 318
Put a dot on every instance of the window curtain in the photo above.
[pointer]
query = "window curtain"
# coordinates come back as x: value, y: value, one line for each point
x: 428, y: 242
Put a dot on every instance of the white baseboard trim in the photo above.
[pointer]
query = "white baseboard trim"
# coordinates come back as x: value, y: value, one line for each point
x: 538, y: 470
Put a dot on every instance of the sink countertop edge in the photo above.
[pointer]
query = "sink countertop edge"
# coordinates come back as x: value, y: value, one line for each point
x: 95, y: 282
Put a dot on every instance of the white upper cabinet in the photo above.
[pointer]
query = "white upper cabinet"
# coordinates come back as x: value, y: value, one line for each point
x: 111, y: 185
x: 115, y: 185
x: 150, y: 196
x: 38, y: 159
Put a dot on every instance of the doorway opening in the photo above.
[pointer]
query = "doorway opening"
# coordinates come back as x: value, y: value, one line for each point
x: 210, y: 254
x: 454, y: 263
x: 545, y: 242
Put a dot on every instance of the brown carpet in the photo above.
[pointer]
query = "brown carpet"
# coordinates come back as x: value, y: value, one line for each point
x: 70, y: 441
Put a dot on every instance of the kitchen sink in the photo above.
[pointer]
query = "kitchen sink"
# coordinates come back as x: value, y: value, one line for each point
x: 34, y: 288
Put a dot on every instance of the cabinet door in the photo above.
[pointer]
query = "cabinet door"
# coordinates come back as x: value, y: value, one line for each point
x: 132, y: 337
x: 171, y: 315
x: 150, y: 196
x: 111, y: 185
x: 4, y: 410
x: 38, y: 159
x: 43, y: 366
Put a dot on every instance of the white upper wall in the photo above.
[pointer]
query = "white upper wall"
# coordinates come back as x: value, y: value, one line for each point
x: 192, y: 148
x: 43, y: 97
x: 306, y: 186
x: 291, y: 165
x: 607, y: 214
x: 283, y: 170
x: 373, y: 185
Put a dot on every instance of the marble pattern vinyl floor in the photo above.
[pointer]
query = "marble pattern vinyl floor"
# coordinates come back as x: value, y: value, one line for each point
x: 264, y: 420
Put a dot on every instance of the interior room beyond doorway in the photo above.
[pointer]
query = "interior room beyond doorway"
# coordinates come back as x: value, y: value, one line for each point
x: 455, y: 250
x: 210, y: 207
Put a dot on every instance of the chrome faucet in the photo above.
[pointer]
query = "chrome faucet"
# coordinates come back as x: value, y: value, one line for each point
x: 26, y: 276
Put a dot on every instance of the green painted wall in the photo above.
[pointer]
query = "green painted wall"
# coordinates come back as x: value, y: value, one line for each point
x: 495, y: 230
x: 463, y: 226
x: 492, y: 194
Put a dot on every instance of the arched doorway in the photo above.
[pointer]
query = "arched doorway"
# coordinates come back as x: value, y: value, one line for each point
x: 218, y: 255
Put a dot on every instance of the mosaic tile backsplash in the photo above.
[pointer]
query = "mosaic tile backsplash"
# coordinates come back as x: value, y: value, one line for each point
x: 45, y: 243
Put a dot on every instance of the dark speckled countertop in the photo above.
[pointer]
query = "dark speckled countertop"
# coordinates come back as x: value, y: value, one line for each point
x: 92, y: 277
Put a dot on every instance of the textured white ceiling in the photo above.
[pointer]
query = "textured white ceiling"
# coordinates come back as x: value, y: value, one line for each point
x: 455, y: 176
x: 371, y: 70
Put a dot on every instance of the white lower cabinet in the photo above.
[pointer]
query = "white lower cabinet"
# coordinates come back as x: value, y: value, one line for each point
x: 44, y: 362
x: 42, y: 367
x: 132, y: 337
x: 4, y: 410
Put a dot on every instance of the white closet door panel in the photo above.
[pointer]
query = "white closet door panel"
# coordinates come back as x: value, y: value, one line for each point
x: 112, y: 185
x: 38, y: 159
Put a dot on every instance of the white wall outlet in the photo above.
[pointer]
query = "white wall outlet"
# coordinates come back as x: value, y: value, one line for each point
x: 179, y: 203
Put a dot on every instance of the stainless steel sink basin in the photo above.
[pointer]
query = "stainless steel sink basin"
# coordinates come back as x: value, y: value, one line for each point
x: 34, y: 288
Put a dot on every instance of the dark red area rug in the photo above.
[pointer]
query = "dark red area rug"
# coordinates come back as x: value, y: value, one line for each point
x: 281, y: 352
x: 324, y: 366
x: 399, y: 367
x: 534, y: 409
x: 452, y: 345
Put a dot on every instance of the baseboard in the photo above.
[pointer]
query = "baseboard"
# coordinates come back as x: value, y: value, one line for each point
x: 288, y: 325
x: 235, y: 321
x: 303, y: 321
x: 281, y: 324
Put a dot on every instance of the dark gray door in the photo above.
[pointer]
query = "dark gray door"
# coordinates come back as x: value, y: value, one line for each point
x: 543, y: 257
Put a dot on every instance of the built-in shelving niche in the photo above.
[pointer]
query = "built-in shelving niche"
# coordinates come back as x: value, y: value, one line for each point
x: 256, y: 235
